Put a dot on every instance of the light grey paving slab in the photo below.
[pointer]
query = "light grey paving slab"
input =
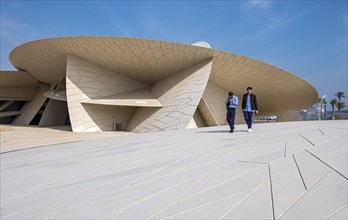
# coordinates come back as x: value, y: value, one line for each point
x: 232, y: 185
x: 144, y: 176
x: 89, y: 181
x: 67, y: 200
x: 336, y: 159
x: 151, y: 205
x: 257, y: 205
x: 331, y: 144
x: 211, y: 210
x: 227, y: 188
x: 256, y: 151
x: 268, y: 157
x: 325, y: 197
x: 342, y: 214
x: 193, y: 174
x: 67, y: 209
x: 314, y: 136
x: 220, y: 174
x: 294, y: 144
x: 287, y: 184
x: 310, y: 167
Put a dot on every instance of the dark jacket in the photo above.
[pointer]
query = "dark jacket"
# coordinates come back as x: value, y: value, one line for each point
x: 253, y: 101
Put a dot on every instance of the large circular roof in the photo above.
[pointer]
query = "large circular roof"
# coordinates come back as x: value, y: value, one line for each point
x: 149, y: 61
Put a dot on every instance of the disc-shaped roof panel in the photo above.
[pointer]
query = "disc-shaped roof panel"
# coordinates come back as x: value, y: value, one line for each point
x: 145, y: 60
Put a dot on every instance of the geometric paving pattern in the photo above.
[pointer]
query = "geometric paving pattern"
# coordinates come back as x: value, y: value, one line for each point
x: 295, y: 170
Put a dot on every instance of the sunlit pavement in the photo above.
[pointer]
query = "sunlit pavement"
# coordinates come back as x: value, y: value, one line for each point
x: 294, y: 170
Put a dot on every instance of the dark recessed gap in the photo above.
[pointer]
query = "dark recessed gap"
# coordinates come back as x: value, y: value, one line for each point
x: 15, y: 106
x: 37, y: 117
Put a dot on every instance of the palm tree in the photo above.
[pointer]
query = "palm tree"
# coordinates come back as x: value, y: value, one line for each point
x: 340, y: 105
x: 333, y: 103
x: 340, y: 95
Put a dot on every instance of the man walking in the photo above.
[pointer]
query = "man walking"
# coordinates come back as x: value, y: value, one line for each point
x: 231, y: 104
x: 249, y: 106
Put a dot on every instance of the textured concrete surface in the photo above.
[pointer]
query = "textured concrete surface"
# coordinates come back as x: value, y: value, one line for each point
x: 294, y: 170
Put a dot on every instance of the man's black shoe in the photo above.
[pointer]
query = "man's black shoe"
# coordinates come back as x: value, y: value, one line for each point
x: 231, y: 131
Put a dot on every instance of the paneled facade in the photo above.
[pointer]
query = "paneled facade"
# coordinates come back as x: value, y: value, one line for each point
x: 93, y: 83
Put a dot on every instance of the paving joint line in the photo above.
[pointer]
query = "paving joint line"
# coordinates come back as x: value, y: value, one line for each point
x: 327, y: 164
x: 270, y: 182
x: 340, y: 128
x: 181, y: 197
x: 241, y: 201
x: 245, y: 161
x: 299, y: 171
x: 300, y: 197
x: 271, y: 188
x: 40, y: 146
x: 335, y: 212
x: 223, y: 182
x: 307, y: 140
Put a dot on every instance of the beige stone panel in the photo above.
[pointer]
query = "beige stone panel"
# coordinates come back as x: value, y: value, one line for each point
x: 192, y: 124
x: 276, y: 89
x: 126, y: 102
x: 140, y: 120
x: 127, y: 56
x: 30, y: 109
x: 196, y: 121
x: 206, y: 114
x: 179, y: 95
x: 103, y: 117
x: 86, y: 82
x: 54, y: 114
x: 18, y: 94
x: 213, y: 108
x: 214, y: 98
x: 140, y: 98
x: 239, y: 115
x: 102, y: 82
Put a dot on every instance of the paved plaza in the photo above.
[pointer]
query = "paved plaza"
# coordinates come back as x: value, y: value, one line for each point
x: 292, y: 170
x: 21, y: 137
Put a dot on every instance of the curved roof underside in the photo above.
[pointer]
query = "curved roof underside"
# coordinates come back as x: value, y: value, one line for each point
x: 17, y: 79
x: 150, y: 61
